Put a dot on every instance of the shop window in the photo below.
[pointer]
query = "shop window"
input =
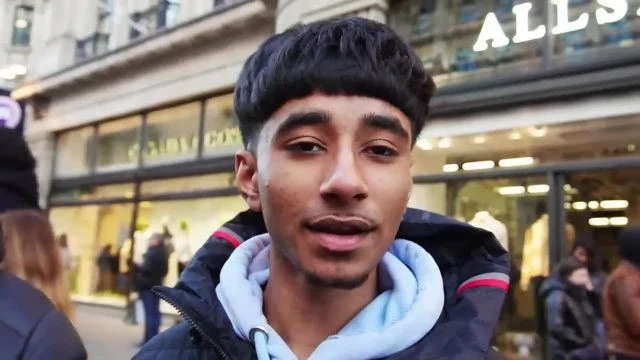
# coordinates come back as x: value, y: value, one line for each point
x: 22, y: 24
x: 514, y: 210
x: 530, y: 146
x: 600, y: 204
x: 73, y: 152
x: 606, y: 30
x: 221, y: 131
x: 115, y: 191
x: 189, y: 223
x: 172, y: 134
x: 92, y: 277
x: 118, y: 144
x: 187, y: 184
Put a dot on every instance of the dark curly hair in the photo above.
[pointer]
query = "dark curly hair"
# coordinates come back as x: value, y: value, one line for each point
x: 352, y: 56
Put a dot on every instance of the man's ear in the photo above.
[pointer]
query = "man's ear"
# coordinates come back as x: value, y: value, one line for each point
x: 247, y: 179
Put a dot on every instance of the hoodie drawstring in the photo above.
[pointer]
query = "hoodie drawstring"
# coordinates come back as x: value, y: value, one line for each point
x: 260, y: 337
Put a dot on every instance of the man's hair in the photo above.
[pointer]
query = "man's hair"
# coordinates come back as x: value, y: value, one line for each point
x: 352, y: 56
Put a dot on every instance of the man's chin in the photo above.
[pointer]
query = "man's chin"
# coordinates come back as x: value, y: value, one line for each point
x: 337, y: 282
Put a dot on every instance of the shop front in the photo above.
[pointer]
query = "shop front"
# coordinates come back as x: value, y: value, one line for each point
x: 167, y: 170
x: 538, y: 189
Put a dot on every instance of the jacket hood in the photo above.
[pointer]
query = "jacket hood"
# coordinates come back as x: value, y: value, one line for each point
x: 473, y: 265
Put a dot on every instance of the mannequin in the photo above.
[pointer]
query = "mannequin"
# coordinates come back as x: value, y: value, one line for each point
x: 484, y: 220
x: 535, y: 252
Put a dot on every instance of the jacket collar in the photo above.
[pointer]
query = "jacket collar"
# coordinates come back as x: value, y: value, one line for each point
x: 463, y: 253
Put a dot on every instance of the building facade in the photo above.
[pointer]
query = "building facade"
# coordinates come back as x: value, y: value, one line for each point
x: 535, y: 125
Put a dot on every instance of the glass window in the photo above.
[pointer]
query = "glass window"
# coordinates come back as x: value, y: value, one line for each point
x: 186, y: 184
x: 462, y: 39
x: 118, y: 144
x: 172, y: 134
x: 96, y: 275
x: 515, y: 211
x: 189, y: 222
x: 529, y: 146
x: 222, y: 134
x: 595, y: 31
x: 599, y: 204
x: 73, y: 152
x: 118, y: 191
x: 22, y: 23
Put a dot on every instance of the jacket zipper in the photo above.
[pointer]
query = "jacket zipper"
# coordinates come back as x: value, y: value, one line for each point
x: 218, y: 348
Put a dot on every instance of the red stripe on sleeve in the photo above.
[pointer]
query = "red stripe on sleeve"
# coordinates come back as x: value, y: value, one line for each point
x: 227, y: 237
x: 503, y: 285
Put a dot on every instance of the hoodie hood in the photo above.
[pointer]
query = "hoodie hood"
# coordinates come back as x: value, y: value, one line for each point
x: 473, y: 266
x: 402, y: 314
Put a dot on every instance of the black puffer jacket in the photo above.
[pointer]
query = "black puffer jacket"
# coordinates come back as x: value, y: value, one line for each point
x: 31, y: 327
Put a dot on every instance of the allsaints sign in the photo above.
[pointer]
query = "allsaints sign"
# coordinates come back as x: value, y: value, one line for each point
x: 609, y: 11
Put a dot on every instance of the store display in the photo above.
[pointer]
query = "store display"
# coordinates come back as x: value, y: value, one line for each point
x: 484, y: 220
x: 535, y: 253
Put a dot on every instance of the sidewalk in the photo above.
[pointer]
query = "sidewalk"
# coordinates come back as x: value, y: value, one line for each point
x: 105, y: 334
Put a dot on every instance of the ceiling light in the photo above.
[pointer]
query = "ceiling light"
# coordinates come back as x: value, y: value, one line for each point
x: 631, y: 147
x: 538, y: 189
x: 18, y: 69
x: 479, y: 140
x: 593, y: 205
x: 570, y: 189
x: 619, y: 221
x: 515, y: 135
x: 444, y: 143
x: 21, y: 23
x: 538, y: 131
x: 567, y: 206
x: 450, y: 167
x: 7, y: 74
x: 478, y: 165
x: 614, y: 204
x: 521, y: 161
x: 511, y: 190
x: 599, y: 221
x: 424, y: 144
x: 579, y: 205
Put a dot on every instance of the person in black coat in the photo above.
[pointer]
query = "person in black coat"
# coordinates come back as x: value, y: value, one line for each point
x: 151, y: 272
x: 30, y: 325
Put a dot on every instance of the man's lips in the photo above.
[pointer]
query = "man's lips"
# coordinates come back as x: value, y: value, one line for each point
x: 340, y: 234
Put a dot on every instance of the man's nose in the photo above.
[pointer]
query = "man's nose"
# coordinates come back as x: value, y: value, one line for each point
x: 345, y: 179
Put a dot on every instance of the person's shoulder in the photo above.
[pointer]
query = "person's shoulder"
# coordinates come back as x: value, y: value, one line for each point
x: 55, y: 337
x: 177, y: 342
x: 25, y: 307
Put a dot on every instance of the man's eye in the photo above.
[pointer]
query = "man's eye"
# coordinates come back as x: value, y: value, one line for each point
x: 305, y: 147
x: 382, y: 151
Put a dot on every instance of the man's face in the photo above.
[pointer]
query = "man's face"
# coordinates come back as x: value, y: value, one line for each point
x: 581, y: 255
x: 332, y: 178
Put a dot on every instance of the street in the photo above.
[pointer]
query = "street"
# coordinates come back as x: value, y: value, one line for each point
x: 105, y: 334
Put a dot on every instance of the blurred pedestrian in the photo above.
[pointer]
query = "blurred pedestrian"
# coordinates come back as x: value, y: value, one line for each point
x: 31, y: 325
x: 571, y: 316
x: 151, y: 272
x: 622, y: 300
x: 66, y: 258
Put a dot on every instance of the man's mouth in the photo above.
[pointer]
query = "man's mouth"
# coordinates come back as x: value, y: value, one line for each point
x: 341, y: 225
x: 340, y: 234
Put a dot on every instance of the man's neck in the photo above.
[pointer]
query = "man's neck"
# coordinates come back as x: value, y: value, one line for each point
x: 305, y: 315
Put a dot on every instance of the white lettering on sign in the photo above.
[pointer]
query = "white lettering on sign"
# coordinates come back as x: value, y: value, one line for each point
x: 610, y: 11
x: 523, y: 33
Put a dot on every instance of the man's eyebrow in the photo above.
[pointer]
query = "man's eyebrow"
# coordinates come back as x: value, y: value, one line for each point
x: 385, y: 122
x: 301, y: 119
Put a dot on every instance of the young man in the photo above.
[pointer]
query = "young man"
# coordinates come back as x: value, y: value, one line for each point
x: 329, y: 263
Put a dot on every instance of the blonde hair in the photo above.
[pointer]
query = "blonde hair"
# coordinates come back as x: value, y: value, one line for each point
x: 32, y: 254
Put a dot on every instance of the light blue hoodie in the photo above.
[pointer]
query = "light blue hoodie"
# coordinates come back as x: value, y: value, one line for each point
x: 394, y: 321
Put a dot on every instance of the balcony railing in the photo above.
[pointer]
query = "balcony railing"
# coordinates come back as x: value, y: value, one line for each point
x: 91, y: 46
x: 157, y: 17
